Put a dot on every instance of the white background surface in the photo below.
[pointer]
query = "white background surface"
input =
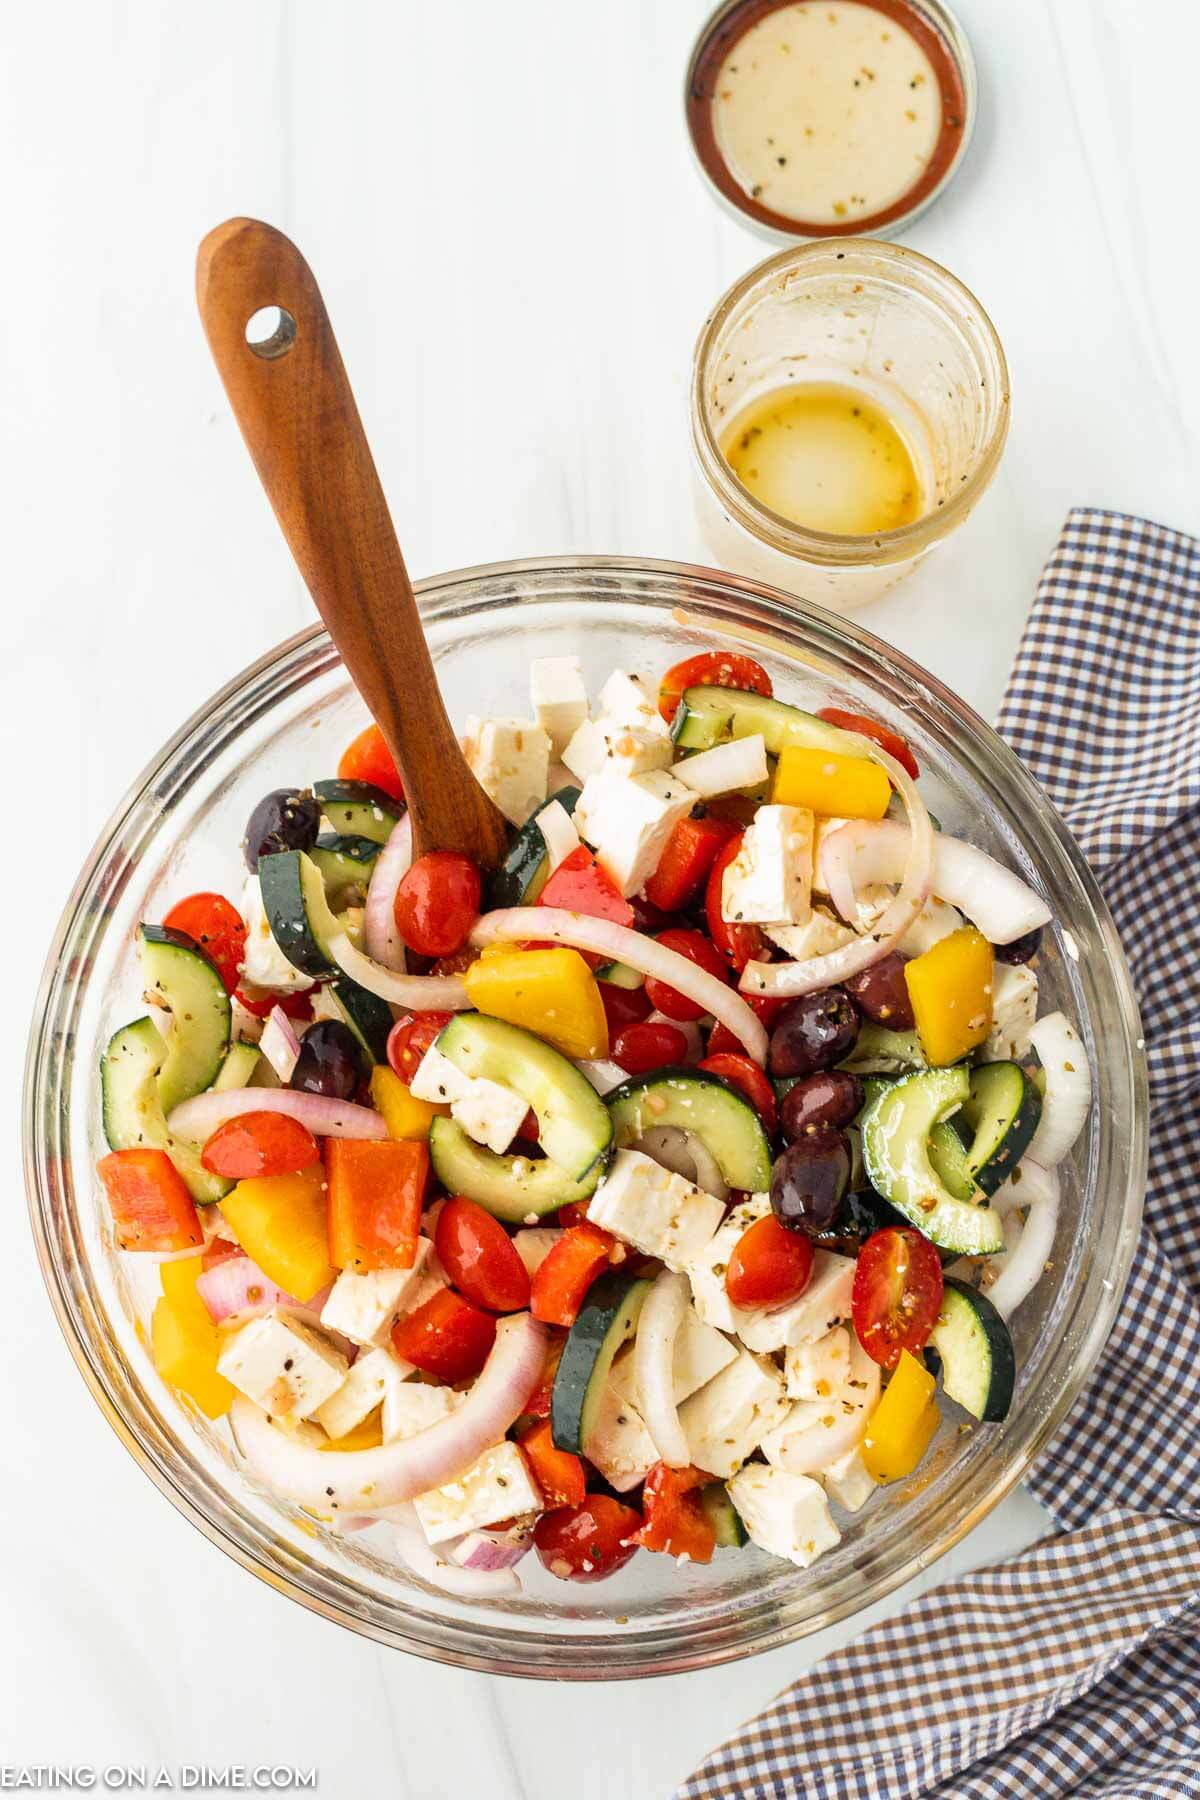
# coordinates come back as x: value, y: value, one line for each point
x: 517, y: 254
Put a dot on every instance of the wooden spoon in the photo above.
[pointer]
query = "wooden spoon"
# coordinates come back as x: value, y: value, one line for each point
x: 292, y: 399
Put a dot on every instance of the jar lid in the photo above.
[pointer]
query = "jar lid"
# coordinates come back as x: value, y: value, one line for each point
x: 830, y: 118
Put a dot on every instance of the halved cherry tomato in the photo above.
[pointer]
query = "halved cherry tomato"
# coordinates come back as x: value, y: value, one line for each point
x: 259, y: 1143
x: 446, y: 1337
x: 478, y: 1256
x: 369, y: 759
x: 650, y: 1045
x: 151, y: 1207
x: 696, y: 947
x: 376, y: 1193
x: 409, y: 1039
x: 622, y: 1006
x: 769, y: 1265
x: 538, y: 1403
x: 768, y: 1008
x: 529, y: 1128
x: 891, y: 741
x: 588, y: 1542
x: 558, y: 1473
x: 711, y: 668
x: 675, y: 1521
x: 217, y: 927
x: 437, y: 903
x: 684, y: 864
x: 580, y: 885
x: 897, y: 1293
x: 263, y: 1001
x: 748, y: 1079
x: 740, y: 943
x: 559, y: 1285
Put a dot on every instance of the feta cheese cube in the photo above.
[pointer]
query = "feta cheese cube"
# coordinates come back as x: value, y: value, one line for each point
x: 770, y: 878
x: 587, y: 750
x: 803, y: 1442
x: 818, y: 1370
x: 412, y: 1406
x: 283, y: 1365
x: 627, y: 821
x: 619, y: 1444
x: 849, y: 1481
x: 824, y: 1302
x: 264, y: 964
x: 1014, y: 1012
x: 726, y: 768
x: 727, y: 1419
x: 700, y: 1353
x: 498, y: 1486
x: 655, y: 1210
x: 510, y: 759
x: 438, y: 1080
x: 785, y: 1514
x: 534, y: 1245
x: 362, y: 1307
x: 559, y: 698
x: 820, y: 934
x: 637, y: 749
x: 627, y: 699
x: 367, y: 1386
x: 486, y: 1110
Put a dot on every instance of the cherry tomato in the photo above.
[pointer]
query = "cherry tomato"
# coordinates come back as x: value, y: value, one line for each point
x: 675, y: 1521
x: 478, y: 1256
x: 588, y: 1542
x: 890, y: 741
x: 769, y: 1265
x: 409, y: 1039
x: 454, y: 965
x: 560, y: 1283
x: 369, y: 759
x: 740, y: 943
x: 558, y: 1473
x: 684, y: 864
x: 651, y: 1045
x: 696, y: 947
x: 437, y: 903
x: 711, y: 668
x: 746, y: 1076
x: 216, y: 925
x: 897, y: 1293
x: 263, y: 1001
x: 767, y: 1006
x: 259, y: 1143
x: 622, y: 1006
x: 447, y: 1337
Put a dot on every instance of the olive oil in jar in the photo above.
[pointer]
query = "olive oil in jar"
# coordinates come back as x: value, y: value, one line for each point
x: 825, y: 457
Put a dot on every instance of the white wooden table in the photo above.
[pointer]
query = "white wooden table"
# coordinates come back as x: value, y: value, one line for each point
x: 517, y: 253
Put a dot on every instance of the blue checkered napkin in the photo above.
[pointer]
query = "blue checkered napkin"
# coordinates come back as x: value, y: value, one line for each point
x: 1075, y: 1667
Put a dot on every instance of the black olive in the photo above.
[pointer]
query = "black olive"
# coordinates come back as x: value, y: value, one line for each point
x: 283, y: 820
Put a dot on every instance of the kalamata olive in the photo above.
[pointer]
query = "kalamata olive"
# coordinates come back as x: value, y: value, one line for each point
x: 812, y: 1033
x: 1022, y: 949
x: 882, y: 993
x: 283, y: 820
x: 809, y: 1181
x: 329, y: 1062
x: 816, y: 1102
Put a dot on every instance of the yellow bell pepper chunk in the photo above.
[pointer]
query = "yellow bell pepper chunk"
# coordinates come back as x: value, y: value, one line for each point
x: 407, y: 1118
x: 366, y: 1435
x: 185, y: 1343
x: 281, y: 1222
x: 950, y: 987
x: 552, y: 993
x: 903, y: 1425
x: 837, y: 787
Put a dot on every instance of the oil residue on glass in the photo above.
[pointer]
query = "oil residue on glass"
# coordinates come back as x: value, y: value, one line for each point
x: 826, y: 457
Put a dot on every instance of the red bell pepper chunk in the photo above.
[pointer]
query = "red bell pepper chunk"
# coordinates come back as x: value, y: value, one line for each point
x: 684, y: 865
x: 559, y: 1285
x: 447, y: 1337
x: 151, y: 1207
x: 674, y: 1519
x: 580, y: 885
x: 376, y: 1192
x: 558, y: 1473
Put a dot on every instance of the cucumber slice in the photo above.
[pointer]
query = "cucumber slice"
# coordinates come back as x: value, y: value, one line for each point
x: 182, y: 978
x: 694, y: 1100
x: 301, y: 920
x: 707, y: 715
x: 619, y: 974
x: 607, y: 1319
x: 574, y: 1127
x: 239, y: 1068
x: 979, y: 1368
x: 896, y: 1130
x: 948, y: 1157
x: 132, y: 1111
x: 526, y: 869
x: 723, y: 1516
x: 1002, y: 1113
x: 878, y: 1051
x: 344, y: 861
x: 369, y: 1017
x: 512, y: 1188
x: 356, y: 809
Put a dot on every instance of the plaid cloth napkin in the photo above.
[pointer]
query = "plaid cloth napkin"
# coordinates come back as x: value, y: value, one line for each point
x: 1074, y: 1668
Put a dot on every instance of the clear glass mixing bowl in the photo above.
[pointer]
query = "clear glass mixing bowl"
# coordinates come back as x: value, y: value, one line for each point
x: 283, y: 721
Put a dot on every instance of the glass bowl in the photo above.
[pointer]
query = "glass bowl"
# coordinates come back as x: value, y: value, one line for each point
x: 284, y: 721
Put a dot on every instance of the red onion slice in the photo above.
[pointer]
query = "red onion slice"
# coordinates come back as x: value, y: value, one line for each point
x: 1021, y: 1267
x: 654, y: 1366
x: 237, y: 1288
x: 686, y: 1153
x: 197, y: 1119
x: 470, y: 1584
x: 380, y: 937
x: 512, y: 925
x: 1068, y: 1092
x: 818, y: 972
x: 415, y: 993
x: 814, y: 1447
x: 361, y: 1481
x: 491, y: 1550
x: 279, y: 1043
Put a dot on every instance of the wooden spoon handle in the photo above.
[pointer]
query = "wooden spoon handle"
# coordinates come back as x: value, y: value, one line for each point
x: 293, y: 402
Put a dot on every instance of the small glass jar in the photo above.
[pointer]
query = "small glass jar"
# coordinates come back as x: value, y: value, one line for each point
x: 863, y: 314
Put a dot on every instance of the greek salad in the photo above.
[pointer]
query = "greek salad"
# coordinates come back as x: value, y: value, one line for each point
x: 655, y: 1190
